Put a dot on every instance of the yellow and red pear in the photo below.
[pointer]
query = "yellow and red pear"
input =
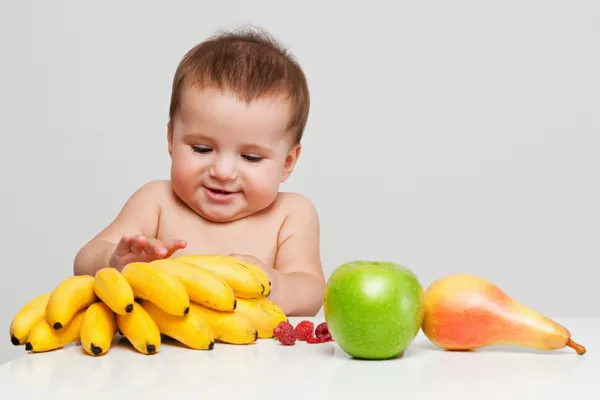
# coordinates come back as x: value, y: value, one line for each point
x: 465, y: 312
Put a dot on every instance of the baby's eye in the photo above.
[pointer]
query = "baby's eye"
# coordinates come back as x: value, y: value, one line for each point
x: 201, y: 149
x: 252, y: 158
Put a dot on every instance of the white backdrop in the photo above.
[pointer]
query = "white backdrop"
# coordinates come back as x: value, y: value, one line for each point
x: 460, y: 136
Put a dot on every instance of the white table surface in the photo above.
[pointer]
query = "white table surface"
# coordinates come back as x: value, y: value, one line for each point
x: 267, y: 370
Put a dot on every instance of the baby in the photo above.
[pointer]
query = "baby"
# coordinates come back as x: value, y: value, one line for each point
x: 238, y: 109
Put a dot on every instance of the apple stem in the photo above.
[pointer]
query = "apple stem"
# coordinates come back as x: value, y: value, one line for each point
x: 578, y: 348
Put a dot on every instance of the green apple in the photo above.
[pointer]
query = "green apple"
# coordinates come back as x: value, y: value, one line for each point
x: 373, y: 309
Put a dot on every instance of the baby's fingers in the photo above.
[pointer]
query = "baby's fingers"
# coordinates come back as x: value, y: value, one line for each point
x: 122, y: 248
x: 155, y: 247
x: 175, y: 245
x: 178, y: 244
x: 138, y: 243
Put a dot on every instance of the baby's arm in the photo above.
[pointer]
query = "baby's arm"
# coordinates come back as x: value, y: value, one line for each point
x: 299, y: 282
x: 130, y: 237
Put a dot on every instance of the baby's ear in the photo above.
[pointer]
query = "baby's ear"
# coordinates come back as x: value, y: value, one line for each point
x: 170, y: 137
x: 290, y: 161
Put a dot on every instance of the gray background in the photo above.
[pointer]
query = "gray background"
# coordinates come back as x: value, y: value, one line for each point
x: 461, y: 136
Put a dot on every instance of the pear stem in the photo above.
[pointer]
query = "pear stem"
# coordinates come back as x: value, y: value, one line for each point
x: 578, y: 348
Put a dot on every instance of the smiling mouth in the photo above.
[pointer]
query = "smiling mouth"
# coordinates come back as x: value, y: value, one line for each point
x: 219, y: 191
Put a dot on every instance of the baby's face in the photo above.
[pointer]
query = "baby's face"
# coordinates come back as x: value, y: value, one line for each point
x: 229, y: 158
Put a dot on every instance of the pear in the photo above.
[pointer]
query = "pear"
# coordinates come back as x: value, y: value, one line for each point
x: 465, y: 312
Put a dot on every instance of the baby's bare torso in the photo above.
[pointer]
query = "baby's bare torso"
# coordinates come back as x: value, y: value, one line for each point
x: 256, y: 235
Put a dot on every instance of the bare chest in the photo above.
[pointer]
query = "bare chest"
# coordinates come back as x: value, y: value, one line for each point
x: 256, y: 236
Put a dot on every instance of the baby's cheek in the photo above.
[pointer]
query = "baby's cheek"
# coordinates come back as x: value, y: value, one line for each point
x: 264, y: 186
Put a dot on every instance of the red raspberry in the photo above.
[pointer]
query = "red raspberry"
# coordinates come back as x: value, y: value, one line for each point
x: 322, y: 332
x: 313, y: 340
x: 284, y: 332
x: 287, y: 337
x: 304, y: 330
x: 283, y: 326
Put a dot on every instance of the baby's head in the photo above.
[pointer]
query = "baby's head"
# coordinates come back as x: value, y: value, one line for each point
x: 238, y: 110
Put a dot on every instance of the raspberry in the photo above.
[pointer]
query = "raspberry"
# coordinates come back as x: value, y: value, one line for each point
x: 322, y: 332
x: 304, y: 330
x: 284, y: 332
x: 283, y: 326
x: 287, y: 337
x: 313, y: 340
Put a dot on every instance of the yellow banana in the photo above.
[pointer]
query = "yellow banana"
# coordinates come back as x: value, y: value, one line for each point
x: 70, y: 296
x: 189, y: 330
x: 43, y: 337
x: 262, y: 276
x: 260, y: 318
x: 272, y: 308
x: 140, y: 329
x: 29, y: 315
x: 203, y: 286
x: 114, y: 290
x: 226, y: 326
x: 97, y: 329
x: 158, y: 286
x: 244, y: 282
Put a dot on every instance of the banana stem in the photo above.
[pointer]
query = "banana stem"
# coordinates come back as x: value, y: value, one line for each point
x: 578, y: 348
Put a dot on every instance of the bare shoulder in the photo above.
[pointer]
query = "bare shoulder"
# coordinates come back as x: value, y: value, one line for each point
x: 140, y: 213
x: 160, y: 187
x: 153, y: 193
x: 296, y: 205
x: 300, y: 216
x: 299, y: 237
x: 147, y: 201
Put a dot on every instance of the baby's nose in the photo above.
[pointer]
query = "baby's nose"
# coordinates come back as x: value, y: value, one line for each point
x: 224, y: 168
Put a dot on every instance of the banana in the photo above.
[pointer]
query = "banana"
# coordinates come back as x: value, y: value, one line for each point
x: 203, y: 286
x: 98, y: 327
x: 70, y: 296
x: 43, y: 337
x: 262, y: 276
x: 114, y: 290
x: 261, y: 319
x: 272, y: 308
x: 226, y: 326
x: 243, y: 281
x: 140, y: 329
x: 29, y: 315
x: 158, y: 286
x: 189, y: 330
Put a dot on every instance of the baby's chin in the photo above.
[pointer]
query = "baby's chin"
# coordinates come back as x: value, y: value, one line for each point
x: 220, y: 218
x: 221, y: 214
x: 227, y: 214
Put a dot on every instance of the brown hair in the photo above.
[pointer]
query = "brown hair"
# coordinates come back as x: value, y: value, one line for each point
x: 249, y: 62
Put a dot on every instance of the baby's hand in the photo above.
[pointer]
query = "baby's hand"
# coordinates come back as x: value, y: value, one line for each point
x: 139, y: 248
x: 253, y: 260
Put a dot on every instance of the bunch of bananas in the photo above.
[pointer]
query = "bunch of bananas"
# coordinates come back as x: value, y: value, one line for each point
x: 195, y: 299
